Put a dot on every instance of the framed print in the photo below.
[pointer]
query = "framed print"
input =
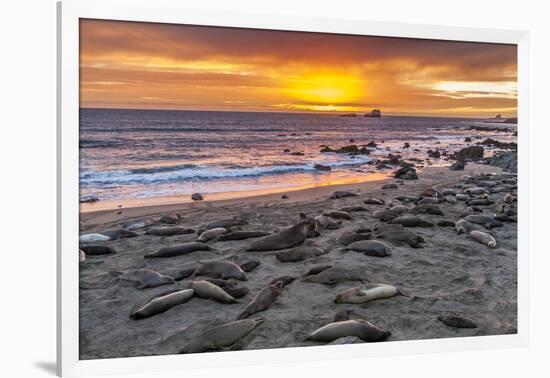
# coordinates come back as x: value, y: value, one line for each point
x: 282, y: 189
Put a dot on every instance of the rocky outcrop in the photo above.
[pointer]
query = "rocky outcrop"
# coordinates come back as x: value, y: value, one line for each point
x: 197, y: 197
x: 375, y: 113
x: 348, y: 115
x: 406, y: 172
x: 501, y: 145
x: 434, y: 154
x: 458, y: 165
x: 351, y: 149
x: 470, y: 153
x: 511, y: 120
x: 505, y: 160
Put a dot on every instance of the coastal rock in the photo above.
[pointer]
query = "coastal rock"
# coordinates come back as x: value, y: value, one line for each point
x: 197, y: 197
x: 467, y: 139
x: 458, y: 165
x: 406, y: 173
x: 89, y: 199
x: 371, y: 144
x: 471, y: 153
x: 505, y: 160
x: 434, y: 154
x: 500, y: 145
x: 374, y: 113
x: 352, y: 149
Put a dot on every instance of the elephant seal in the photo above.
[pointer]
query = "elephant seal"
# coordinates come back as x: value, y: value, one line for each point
x: 457, y: 321
x: 429, y: 201
x: 446, y: 223
x: 483, y: 238
x: 81, y: 256
x: 162, y: 303
x: 337, y: 214
x: 97, y: 250
x: 299, y: 253
x: 427, y: 208
x: 374, y: 201
x: 367, y: 293
x: 171, y: 218
x: 342, y: 315
x: 241, y: 235
x: 147, y: 278
x: 384, y: 215
x: 342, y: 194
x: 316, y: 270
x: 262, y: 300
x: 349, y: 237
x: 407, y: 198
x: 449, y: 192
x: 322, y: 222
x: 184, y: 273
x: 480, y: 202
x: 287, y: 238
x: 335, y: 275
x: 234, y: 290
x: 462, y: 197
x: 359, y: 328
x: 169, y: 231
x: 221, y: 336
x: 284, y: 279
x: 207, y: 290
x: 211, y: 234
x: 118, y: 233
x: 398, y: 235
x: 467, y: 211
x: 92, y: 238
x: 346, y: 340
x: 249, y: 265
x: 508, y: 198
x: 476, y: 190
x: 399, y: 209
x: 370, y: 248
x: 411, y: 221
x: 450, y: 199
x: 463, y: 226
x: 178, y: 250
x: 226, y: 223
x: 135, y: 225
x: 350, y: 209
x: 484, y: 220
x: 221, y: 269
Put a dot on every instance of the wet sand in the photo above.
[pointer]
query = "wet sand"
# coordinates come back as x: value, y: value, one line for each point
x: 451, y: 273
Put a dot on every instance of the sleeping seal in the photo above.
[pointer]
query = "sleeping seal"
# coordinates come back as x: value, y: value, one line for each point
x: 212, y: 234
x: 147, y: 278
x: 284, y: 279
x: 384, y: 215
x: 169, y: 231
x: 370, y: 248
x: 221, y: 269
x: 162, y: 303
x: 349, y: 237
x: 367, y: 293
x: 225, y: 223
x: 411, y: 221
x: 221, y: 336
x: 335, y: 275
x: 484, y: 220
x: 322, y: 222
x: 97, y: 250
x: 207, y: 290
x: 337, y: 214
x: 342, y: 194
x: 262, y: 300
x: 359, y: 328
x: 457, y: 321
x: 483, y: 238
x: 119, y: 233
x: 398, y: 235
x: 92, y: 238
x: 178, y: 250
x: 349, y: 209
x: 241, y: 235
x: 316, y: 270
x: 287, y: 238
x: 299, y: 253
x: 374, y: 201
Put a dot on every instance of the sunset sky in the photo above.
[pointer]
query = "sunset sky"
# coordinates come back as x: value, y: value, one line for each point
x: 162, y: 66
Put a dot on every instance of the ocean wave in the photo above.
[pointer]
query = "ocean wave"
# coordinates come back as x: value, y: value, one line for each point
x: 186, y: 172
x: 185, y: 129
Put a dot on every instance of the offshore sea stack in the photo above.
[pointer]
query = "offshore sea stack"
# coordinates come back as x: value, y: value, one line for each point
x: 375, y: 113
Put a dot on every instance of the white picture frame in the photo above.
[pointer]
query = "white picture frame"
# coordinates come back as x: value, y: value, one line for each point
x: 165, y: 11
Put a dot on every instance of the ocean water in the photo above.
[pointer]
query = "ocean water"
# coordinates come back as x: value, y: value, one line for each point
x: 133, y: 154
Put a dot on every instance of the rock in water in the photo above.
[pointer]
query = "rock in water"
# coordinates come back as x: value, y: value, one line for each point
x: 197, y: 197
x: 471, y: 153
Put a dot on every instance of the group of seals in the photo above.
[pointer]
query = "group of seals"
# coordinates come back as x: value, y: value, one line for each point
x: 287, y: 238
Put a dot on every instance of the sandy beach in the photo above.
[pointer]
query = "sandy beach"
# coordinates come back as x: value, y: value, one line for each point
x: 451, y: 273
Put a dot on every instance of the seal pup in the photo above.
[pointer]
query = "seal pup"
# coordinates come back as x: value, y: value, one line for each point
x: 360, y: 328
x: 162, y: 303
x: 483, y: 238
x: 262, y: 300
x: 484, y: 220
x: 221, y: 269
x: 350, y: 209
x: 342, y: 194
x: 349, y: 237
x: 118, y: 233
x: 299, y: 253
x: 370, y: 248
x: 221, y: 336
x: 342, y: 315
x: 171, y: 218
x: 226, y: 223
x: 135, y: 225
x: 374, y: 201
x: 411, y: 221
x: 211, y: 234
x: 147, y: 278
x: 463, y: 226
x: 207, y: 290
x: 178, y: 250
x: 338, y: 214
x: 316, y: 270
x: 384, y: 215
x: 367, y: 293
x: 184, y: 273
x: 241, y: 235
x: 169, y: 231
x: 322, y: 222
x: 399, y: 209
x: 97, y: 250
x: 457, y: 321
x: 508, y: 198
x: 427, y: 208
x: 476, y: 190
x: 287, y: 238
x: 92, y: 238
x: 467, y: 211
x: 234, y: 290
x: 249, y: 265
x: 284, y: 279
x: 399, y: 235
x: 335, y: 275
